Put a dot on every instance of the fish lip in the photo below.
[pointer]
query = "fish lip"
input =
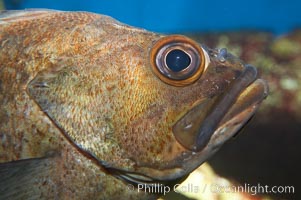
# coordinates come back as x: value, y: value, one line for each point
x: 220, y: 108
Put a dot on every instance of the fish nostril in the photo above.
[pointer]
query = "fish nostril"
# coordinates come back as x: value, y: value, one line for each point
x: 222, y: 54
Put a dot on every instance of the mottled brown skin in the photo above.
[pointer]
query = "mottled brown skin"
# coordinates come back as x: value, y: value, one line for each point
x: 26, y: 132
x: 78, y: 89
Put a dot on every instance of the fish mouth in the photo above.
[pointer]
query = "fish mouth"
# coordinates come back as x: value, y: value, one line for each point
x: 227, y: 112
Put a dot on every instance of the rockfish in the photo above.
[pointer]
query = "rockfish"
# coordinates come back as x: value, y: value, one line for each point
x: 91, y: 108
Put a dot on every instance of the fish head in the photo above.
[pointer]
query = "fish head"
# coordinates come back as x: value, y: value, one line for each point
x: 146, y: 107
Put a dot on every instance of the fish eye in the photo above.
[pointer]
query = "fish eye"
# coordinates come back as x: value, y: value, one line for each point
x: 177, y: 60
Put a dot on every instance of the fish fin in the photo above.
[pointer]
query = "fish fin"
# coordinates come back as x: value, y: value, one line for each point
x: 8, y: 16
x: 26, y: 179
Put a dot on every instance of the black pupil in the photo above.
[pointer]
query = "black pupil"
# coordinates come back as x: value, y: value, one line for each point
x: 177, y: 60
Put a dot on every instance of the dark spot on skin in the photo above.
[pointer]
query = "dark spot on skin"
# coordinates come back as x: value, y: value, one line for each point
x: 237, y: 73
x: 220, y: 69
x: 4, y: 116
x: 24, y: 77
x: 25, y: 140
